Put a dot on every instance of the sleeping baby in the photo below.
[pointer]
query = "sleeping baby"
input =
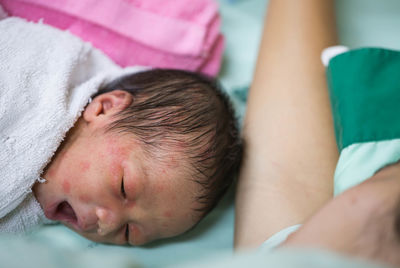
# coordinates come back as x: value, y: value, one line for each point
x: 122, y: 156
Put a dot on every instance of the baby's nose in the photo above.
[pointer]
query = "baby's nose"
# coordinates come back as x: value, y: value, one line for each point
x: 107, y: 221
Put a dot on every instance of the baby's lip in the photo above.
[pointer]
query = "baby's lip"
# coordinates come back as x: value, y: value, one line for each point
x: 64, y: 212
x: 61, y: 211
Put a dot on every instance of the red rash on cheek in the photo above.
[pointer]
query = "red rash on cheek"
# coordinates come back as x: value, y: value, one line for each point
x: 66, y: 186
x: 114, y: 169
x: 159, y: 188
x: 84, y: 199
x: 131, y: 204
x: 52, y: 173
x: 168, y: 214
x: 173, y: 197
x: 84, y: 166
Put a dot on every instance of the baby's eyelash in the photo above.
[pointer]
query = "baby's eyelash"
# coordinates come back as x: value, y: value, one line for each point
x: 127, y: 233
x: 123, y: 188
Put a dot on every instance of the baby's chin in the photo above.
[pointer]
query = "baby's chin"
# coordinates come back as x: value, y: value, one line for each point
x: 39, y: 192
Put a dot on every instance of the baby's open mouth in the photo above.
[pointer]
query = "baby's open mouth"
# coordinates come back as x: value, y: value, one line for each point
x: 66, y: 212
x: 62, y: 212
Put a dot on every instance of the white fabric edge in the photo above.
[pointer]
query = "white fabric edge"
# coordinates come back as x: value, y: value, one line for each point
x: 330, y: 52
x: 277, y: 238
x: 360, y: 161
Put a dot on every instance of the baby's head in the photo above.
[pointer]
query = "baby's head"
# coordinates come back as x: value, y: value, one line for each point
x: 150, y: 156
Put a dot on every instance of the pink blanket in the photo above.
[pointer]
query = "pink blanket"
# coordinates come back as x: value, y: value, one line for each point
x: 182, y: 34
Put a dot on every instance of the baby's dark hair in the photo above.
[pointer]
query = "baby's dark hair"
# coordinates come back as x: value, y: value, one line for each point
x: 181, y: 110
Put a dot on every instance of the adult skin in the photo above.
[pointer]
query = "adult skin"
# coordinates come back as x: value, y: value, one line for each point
x: 290, y: 148
x: 291, y: 153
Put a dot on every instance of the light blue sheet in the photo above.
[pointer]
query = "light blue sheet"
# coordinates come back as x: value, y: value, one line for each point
x: 21, y: 253
x: 361, y: 22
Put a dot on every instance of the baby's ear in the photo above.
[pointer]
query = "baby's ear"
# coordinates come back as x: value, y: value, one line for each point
x: 107, y: 104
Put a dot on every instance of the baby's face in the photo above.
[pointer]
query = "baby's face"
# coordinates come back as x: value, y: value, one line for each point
x: 106, y: 188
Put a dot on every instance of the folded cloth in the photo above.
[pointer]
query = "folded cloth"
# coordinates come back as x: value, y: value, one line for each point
x: 177, y: 34
x: 46, y: 78
x: 364, y: 86
x: 3, y: 14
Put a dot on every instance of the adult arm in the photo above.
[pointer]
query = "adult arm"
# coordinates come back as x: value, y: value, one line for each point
x: 290, y: 149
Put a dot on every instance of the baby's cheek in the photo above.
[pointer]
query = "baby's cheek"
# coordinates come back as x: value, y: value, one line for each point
x: 51, y: 173
x: 115, y: 170
x: 84, y: 198
x: 66, y: 186
x: 172, y: 197
x: 84, y: 166
x: 168, y: 214
x: 159, y: 188
x: 70, y: 177
x: 131, y: 204
x: 136, y: 235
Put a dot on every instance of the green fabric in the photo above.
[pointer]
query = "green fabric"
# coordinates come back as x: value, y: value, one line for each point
x: 365, y: 95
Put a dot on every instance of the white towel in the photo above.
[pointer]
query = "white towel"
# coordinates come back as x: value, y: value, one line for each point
x: 46, y: 79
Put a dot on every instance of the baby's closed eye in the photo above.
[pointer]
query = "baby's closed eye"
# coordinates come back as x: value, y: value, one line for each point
x: 123, y: 193
x: 127, y: 233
